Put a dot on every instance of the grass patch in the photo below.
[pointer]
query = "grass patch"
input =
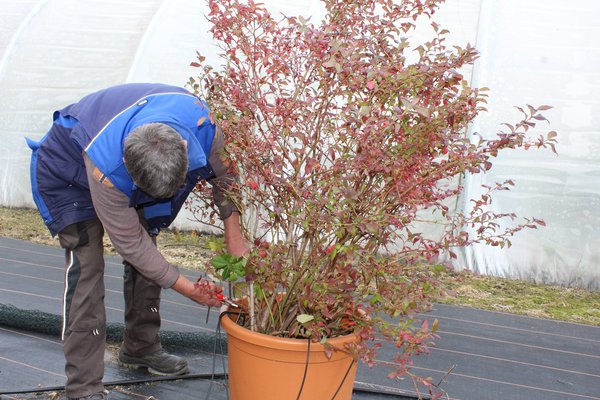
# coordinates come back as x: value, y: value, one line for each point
x: 24, y: 224
x: 525, y: 298
x: 187, y: 249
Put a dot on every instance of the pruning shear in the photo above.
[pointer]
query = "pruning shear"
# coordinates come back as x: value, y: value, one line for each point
x: 226, y: 300
x: 220, y: 296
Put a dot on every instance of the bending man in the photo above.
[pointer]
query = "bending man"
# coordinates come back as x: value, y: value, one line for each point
x: 123, y: 160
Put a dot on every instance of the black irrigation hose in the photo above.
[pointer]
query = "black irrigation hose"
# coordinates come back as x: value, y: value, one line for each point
x: 218, y: 339
x: 211, y: 376
x: 38, y: 321
x: 123, y: 382
x: 305, y: 370
x: 343, y: 380
x: 355, y: 390
x: 386, y: 393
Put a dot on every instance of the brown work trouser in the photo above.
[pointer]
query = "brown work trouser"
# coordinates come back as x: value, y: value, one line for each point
x: 84, y: 315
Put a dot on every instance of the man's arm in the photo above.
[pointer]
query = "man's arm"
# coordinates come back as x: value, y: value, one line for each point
x: 234, y: 239
x: 134, y: 244
x: 225, y: 180
x: 222, y: 184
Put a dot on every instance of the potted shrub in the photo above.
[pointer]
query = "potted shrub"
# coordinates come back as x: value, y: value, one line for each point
x: 346, y: 152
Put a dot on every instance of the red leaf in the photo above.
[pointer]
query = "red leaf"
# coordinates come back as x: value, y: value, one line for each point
x: 252, y: 184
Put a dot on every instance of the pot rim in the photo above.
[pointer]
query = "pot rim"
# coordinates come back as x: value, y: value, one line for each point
x: 261, y: 339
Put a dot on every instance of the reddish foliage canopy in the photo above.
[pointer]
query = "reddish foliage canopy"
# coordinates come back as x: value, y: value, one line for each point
x: 341, y: 143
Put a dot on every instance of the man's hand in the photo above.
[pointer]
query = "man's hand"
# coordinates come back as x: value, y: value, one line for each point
x: 204, y: 293
x: 207, y: 293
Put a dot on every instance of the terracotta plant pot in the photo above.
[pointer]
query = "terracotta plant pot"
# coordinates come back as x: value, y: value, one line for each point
x: 270, y: 368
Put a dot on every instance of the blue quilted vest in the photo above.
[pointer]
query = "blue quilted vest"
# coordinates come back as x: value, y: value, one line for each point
x: 98, y: 124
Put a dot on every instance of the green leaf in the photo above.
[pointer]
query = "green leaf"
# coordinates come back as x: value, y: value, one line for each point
x: 372, y: 227
x: 230, y: 267
x: 376, y: 299
x: 438, y: 268
x: 304, y: 318
x: 216, y: 244
x: 220, y: 261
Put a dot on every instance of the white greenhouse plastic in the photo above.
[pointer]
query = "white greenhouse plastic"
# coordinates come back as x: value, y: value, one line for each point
x: 536, y: 52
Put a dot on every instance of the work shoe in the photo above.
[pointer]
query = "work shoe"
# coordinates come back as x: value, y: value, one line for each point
x: 159, y: 363
x: 103, y: 395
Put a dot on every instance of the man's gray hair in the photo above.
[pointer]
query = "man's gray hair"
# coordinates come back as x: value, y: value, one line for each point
x: 155, y: 156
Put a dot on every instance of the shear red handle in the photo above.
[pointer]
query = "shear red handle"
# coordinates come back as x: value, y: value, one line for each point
x: 226, y: 300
